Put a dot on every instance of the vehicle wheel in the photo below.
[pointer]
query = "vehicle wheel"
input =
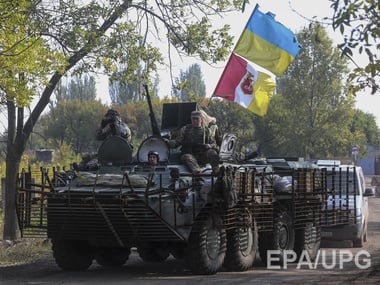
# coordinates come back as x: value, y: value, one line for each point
x: 178, y: 252
x: 365, y: 231
x: 152, y: 254
x: 358, y: 242
x: 112, y: 256
x: 72, y: 255
x: 242, y: 245
x: 308, y: 239
x: 207, y: 246
x: 281, y: 238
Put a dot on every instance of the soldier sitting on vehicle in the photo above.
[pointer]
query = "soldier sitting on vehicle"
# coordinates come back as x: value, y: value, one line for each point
x: 200, y: 142
x: 111, y: 124
x: 89, y: 162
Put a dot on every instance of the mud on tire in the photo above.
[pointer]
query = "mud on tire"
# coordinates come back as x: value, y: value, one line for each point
x: 242, y: 243
x: 281, y: 238
x: 308, y: 240
x: 207, y: 245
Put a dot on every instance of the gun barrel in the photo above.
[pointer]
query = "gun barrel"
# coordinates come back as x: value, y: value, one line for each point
x: 155, y: 129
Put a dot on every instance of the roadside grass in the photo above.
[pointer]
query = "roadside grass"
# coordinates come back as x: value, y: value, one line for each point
x: 22, y: 251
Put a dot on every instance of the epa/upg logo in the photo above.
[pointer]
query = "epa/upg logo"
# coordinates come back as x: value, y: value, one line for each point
x: 325, y: 259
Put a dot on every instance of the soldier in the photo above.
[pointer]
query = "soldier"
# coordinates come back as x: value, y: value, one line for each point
x: 199, y: 142
x: 111, y: 124
x: 153, y: 157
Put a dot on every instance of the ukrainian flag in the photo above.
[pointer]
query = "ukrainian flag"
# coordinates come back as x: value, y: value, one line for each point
x: 267, y: 43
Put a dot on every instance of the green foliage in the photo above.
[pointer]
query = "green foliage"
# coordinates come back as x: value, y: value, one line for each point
x: 80, y: 87
x: 366, y: 123
x: 122, y: 92
x: 2, y: 169
x: 136, y: 115
x: 71, y: 126
x: 25, y: 57
x: 73, y: 123
x: 64, y: 156
x: 190, y: 84
x: 198, y: 38
x: 312, y: 116
x: 359, y: 21
x: 233, y: 118
x: 42, y: 41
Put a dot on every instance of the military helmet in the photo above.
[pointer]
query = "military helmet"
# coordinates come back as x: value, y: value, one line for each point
x: 155, y: 153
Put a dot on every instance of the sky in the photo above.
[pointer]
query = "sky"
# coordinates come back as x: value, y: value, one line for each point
x: 294, y: 14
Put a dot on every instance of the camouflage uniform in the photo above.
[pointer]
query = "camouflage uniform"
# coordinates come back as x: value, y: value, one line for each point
x: 200, y: 145
x: 111, y: 125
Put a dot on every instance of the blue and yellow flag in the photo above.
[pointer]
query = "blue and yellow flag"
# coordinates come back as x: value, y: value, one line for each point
x: 267, y: 43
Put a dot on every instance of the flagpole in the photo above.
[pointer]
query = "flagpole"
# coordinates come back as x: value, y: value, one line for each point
x: 220, y: 78
x: 249, y: 19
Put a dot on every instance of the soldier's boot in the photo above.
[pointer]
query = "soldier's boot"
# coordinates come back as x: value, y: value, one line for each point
x: 191, y: 162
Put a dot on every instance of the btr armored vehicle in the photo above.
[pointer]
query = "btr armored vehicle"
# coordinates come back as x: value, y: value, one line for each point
x: 212, y: 222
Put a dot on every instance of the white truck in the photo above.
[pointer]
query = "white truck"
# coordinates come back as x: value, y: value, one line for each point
x: 346, y: 191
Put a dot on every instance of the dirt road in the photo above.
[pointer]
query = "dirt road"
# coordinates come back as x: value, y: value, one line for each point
x: 335, y: 266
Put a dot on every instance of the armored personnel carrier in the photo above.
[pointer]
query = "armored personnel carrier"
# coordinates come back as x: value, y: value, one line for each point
x: 211, y: 222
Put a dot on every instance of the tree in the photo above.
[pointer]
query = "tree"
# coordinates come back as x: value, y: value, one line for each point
x: 80, y: 87
x: 73, y: 116
x: 359, y: 21
x: 190, y: 84
x: 41, y: 41
x: 121, y: 93
x: 366, y: 123
x: 136, y: 115
x: 233, y: 118
x: 312, y: 116
x: 70, y: 122
x: 25, y: 59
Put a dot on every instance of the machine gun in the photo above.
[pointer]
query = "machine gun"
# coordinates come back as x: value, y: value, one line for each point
x: 155, y: 129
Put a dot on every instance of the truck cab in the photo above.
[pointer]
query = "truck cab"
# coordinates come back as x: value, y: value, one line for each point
x: 347, y: 191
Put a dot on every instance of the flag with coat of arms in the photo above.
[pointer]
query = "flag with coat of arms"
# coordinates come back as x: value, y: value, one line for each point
x: 268, y: 44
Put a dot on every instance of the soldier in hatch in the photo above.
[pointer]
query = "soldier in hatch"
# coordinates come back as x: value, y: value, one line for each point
x: 153, y: 157
x: 111, y: 124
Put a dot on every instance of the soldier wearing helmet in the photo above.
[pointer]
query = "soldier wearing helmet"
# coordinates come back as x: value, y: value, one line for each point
x: 153, y: 157
x: 111, y: 125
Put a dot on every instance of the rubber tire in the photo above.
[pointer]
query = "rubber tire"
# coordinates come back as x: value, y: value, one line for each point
x: 112, y: 256
x: 207, y: 244
x: 178, y: 252
x: 308, y: 239
x: 281, y: 238
x: 72, y: 255
x: 357, y: 243
x: 151, y: 254
x: 242, y: 244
